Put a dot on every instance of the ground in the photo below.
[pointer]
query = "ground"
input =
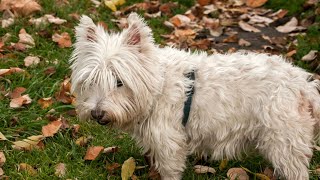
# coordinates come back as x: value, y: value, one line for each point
x: 46, y: 81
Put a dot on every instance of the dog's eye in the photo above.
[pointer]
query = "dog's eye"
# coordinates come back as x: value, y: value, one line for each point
x: 119, y: 83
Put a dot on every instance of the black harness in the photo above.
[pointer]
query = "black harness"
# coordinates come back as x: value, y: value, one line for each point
x: 187, y: 103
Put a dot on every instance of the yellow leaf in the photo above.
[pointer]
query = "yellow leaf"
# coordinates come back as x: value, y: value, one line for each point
x: 2, y: 137
x: 118, y: 2
x: 128, y: 168
x: 28, y: 144
x: 110, y: 5
x: 223, y: 164
x: 262, y: 176
x: 26, y: 167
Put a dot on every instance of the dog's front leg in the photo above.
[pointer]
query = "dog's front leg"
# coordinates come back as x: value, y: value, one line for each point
x: 168, y: 151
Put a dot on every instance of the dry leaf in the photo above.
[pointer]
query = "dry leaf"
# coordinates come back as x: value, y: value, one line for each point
x: 64, y: 94
x: 19, y: 101
x: 26, y: 39
x: 204, y: 2
x: 83, y: 141
x: 291, y: 53
x: 31, y: 60
x: 93, y: 152
x: 184, y: 32
x: 46, y: 19
x: 45, y: 102
x: 128, y: 168
x: 7, y: 22
x: 52, y: 128
x: 180, y: 20
x: 17, y: 92
x: 237, y: 174
x: 199, y: 169
x: 310, y: 56
x: 111, y: 167
x: 54, y: 20
x: 29, y: 143
x: 269, y: 172
x: 26, y: 167
x: 2, y: 137
x: 246, y: 27
x: 63, y: 40
x: 50, y: 70
x: 60, y: 170
x: 230, y: 39
x: 112, y: 4
x: 4, y: 72
x: 2, y: 158
x: 290, y: 26
x: 223, y: 164
x: 255, y: 3
x: 20, y: 7
x: 243, y: 42
x: 112, y: 149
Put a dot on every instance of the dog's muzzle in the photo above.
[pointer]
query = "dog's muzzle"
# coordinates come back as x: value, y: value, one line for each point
x: 99, y: 116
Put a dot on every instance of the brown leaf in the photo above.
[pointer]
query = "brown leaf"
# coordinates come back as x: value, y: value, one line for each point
x: 112, y: 149
x: 29, y: 169
x: 63, y: 39
x: 310, y: 56
x: 184, y: 32
x: 243, y: 42
x: 50, y: 70
x: 237, y: 174
x: 204, y: 2
x: 17, y: 92
x: 111, y: 167
x: 29, y: 143
x: 180, y: 20
x: 64, y: 94
x: 199, y: 169
x: 2, y: 158
x: 26, y: 39
x: 45, y: 102
x: 12, y: 70
x: 291, y: 53
x: 52, y: 128
x: 60, y: 170
x: 75, y: 129
x: 290, y: 26
x: 255, y: 3
x: 128, y: 168
x: 231, y: 39
x: 246, y: 27
x: 93, y: 152
x: 19, y: 101
x: 269, y: 172
x: 2, y: 137
x: 20, y: 7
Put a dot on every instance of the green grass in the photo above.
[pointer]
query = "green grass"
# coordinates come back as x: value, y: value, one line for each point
x: 62, y: 147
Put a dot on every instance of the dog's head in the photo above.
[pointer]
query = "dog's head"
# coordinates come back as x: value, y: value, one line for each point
x: 114, y: 75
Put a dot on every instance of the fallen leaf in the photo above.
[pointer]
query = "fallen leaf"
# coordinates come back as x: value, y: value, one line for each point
x: 28, y: 168
x: 26, y: 39
x: 112, y: 149
x: 180, y: 20
x: 310, y: 56
x: 83, y: 140
x: 237, y: 174
x: 75, y: 129
x: 112, y: 4
x: 291, y: 53
x: 64, y: 94
x: 63, y: 39
x: 230, y: 39
x: 111, y: 167
x: 184, y: 32
x: 93, y: 152
x: 45, y: 102
x: 46, y: 19
x: 20, y: 7
x: 246, y: 27
x: 2, y: 137
x: 7, y: 22
x: 290, y: 26
x: 199, y: 169
x: 17, y: 92
x: 128, y: 168
x: 223, y: 164
x: 31, y: 60
x: 269, y: 172
x: 280, y: 13
x: 255, y: 3
x: 50, y: 70
x: 2, y: 158
x: 60, y: 170
x: 19, y: 101
x: 243, y: 42
x: 52, y: 128
x: 204, y: 2
x: 12, y: 70
x: 29, y: 143
x: 54, y: 20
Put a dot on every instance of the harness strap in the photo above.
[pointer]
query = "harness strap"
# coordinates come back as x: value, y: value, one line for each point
x: 187, y: 103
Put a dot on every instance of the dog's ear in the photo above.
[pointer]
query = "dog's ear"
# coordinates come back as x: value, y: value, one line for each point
x: 138, y: 33
x: 86, y: 30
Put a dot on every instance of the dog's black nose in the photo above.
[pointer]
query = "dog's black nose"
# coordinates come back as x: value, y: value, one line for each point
x: 97, y: 114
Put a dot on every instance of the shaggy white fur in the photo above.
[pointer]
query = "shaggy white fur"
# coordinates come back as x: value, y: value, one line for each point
x: 241, y: 100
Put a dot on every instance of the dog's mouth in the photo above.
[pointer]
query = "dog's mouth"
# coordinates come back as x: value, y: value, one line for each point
x: 103, y: 121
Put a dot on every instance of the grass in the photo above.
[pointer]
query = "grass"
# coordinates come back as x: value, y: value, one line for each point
x: 62, y: 147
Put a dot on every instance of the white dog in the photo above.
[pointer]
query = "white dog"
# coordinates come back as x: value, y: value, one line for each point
x: 237, y: 101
